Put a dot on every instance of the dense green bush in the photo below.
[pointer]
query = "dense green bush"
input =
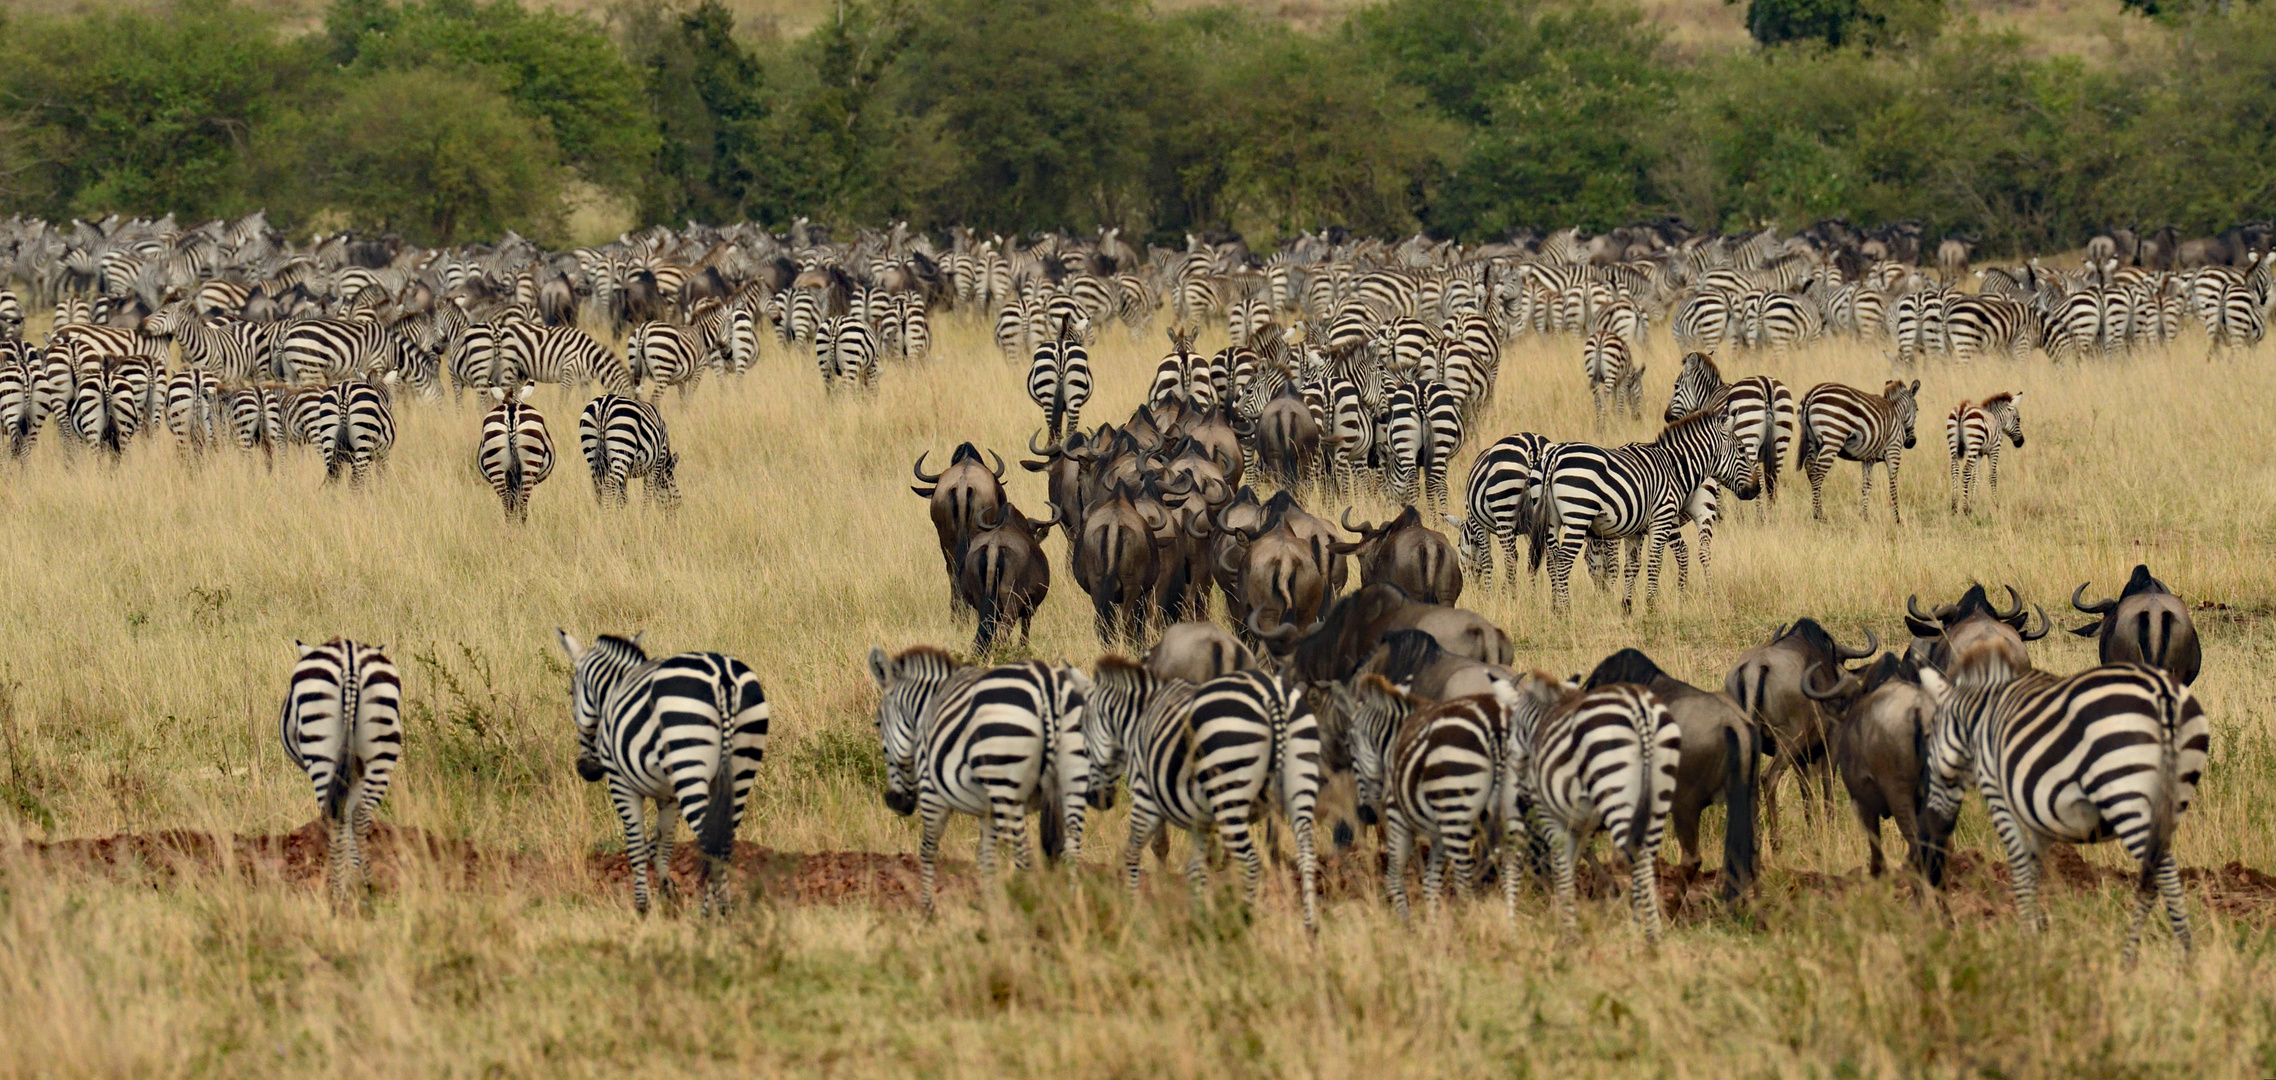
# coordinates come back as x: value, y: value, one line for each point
x: 1468, y: 118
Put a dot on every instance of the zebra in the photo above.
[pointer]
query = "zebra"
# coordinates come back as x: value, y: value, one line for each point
x: 1585, y: 760
x: 1781, y: 321
x: 911, y: 327
x: 477, y: 358
x: 1497, y: 499
x: 688, y: 729
x: 845, y: 351
x: 729, y: 336
x: 1704, y: 321
x: 193, y: 405
x: 1425, y: 432
x: 1989, y: 324
x: 11, y: 316
x: 108, y: 401
x: 25, y: 402
x: 236, y: 352
x: 1612, y: 372
x: 1438, y: 771
x: 516, y: 452
x: 624, y: 437
x: 1918, y: 320
x: 665, y: 355
x: 352, y: 424
x: 565, y: 355
x: 321, y: 351
x: 342, y: 725
x: 256, y: 416
x: 2112, y: 752
x: 989, y: 742
x: 1845, y: 422
x: 1973, y: 430
x: 1059, y: 380
x: 1639, y: 490
x: 1205, y: 756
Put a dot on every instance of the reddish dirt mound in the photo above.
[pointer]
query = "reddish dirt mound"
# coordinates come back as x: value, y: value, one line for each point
x: 1978, y: 886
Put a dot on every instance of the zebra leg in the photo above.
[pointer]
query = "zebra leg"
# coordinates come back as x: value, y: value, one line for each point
x: 1959, y: 487
x: 636, y: 849
x: 1434, y: 875
x: 2176, y: 907
x: 1569, y: 541
x: 1895, y: 459
x: 1644, y: 889
x: 1706, y: 547
x: 935, y: 817
x: 661, y: 843
x: 1657, y: 542
x: 1462, y: 852
x: 1401, y: 842
x: 336, y: 874
x: 1307, y: 866
x: 1865, y: 490
x: 1561, y: 852
x: 1819, y: 467
x: 1196, y: 862
x: 1011, y: 825
x: 1992, y: 465
x: 1144, y: 826
x: 1680, y: 554
x: 1506, y: 852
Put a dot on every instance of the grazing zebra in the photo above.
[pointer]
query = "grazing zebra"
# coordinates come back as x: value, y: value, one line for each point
x: 352, y: 424
x: 564, y: 355
x: 193, y: 405
x: 1205, y: 756
x: 1918, y: 322
x: 1972, y: 431
x: 320, y: 351
x: 665, y: 355
x: 1704, y: 321
x: 730, y: 336
x: 1059, y: 380
x: 1782, y: 321
x: 24, y: 403
x: 1639, y: 490
x: 989, y: 742
x: 688, y: 730
x: 624, y: 437
x: 1612, y: 373
x: 477, y: 358
x: 1848, y: 423
x: 256, y: 415
x: 516, y: 453
x: 236, y: 352
x: 1989, y: 324
x: 1497, y: 499
x: 1585, y: 760
x: 342, y: 725
x: 1425, y: 432
x: 1438, y: 771
x: 2111, y: 752
x: 109, y: 402
x: 845, y: 351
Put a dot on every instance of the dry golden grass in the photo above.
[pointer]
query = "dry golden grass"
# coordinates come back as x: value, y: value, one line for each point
x: 147, y: 630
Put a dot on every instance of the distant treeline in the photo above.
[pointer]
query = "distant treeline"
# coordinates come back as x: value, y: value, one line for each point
x: 449, y: 120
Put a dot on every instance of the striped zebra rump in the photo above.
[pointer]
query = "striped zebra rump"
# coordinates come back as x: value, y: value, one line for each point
x: 1439, y: 772
x: 913, y: 326
x: 25, y: 402
x: 256, y: 418
x: 109, y: 402
x: 1498, y: 504
x: 2113, y: 752
x: 624, y: 438
x: 11, y: 316
x: 564, y: 355
x: 1136, y: 726
x: 516, y: 452
x: 1762, y: 415
x: 664, y: 355
x: 1839, y: 421
x: 1606, y: 359
x: 342, y: 725
x: 321, y: 351
x: 193, y: 402
x: 1257, y: 745
x: 988, y: 742
x: 1597, y: 759
x: 845, y: 352
x: 686, y: 732
x: 353, y: 429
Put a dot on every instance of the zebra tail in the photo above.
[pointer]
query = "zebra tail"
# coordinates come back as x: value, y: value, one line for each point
x: 1740, y: 764
x: 717, y: 836
x: 336, y: 792
x: 1050, y: 785
x: 2161, y: 799
x: 1647, y: 734
x: 1805, y: 440
x: 1771, y: 460
x: 1537, y: 537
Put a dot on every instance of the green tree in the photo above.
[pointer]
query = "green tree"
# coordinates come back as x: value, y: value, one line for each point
x: 434, y: 155
x: 708, y: 96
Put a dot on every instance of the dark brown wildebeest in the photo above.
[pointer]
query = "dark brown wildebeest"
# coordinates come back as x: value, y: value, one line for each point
x: 1406, y: 553
x: 1281, y: 586
x: 958, y: 495
x: 1767, y: 684
x: 1353, y: 626
x: 1229, y: 548
x: 1940, y: 635
x: 1115, y: 562
x: 1718, y: 763
x: 1288, y: 438
x: 1006, y: 574
x: 1062, y: 467
x: 2146, y: 624
x: 1198, y: 652
x: 1875, y: 746
x: 557, y: 301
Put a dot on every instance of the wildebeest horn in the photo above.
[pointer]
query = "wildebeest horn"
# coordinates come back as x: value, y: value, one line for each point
x: 1163, y: 521
x: 1211, y: 483
x: 1366, y: 528
x: 2045, y: 624
x: 1045, y: 525
x: 982, y: 518
x: 999, y: 463
x: 1197, y: 526
x: 1912, y: 608
x: 2099, y: 607
x: 1041, y: 451
x: 2015, y: 609
x: 1848, y: 684
x: 1287, y: 632
x: 1872, y: 645
x: 920, y: 468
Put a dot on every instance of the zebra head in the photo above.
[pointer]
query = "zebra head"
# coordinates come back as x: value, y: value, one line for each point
x: 1705, y: 439
x: 594, y: 671
x: 1698, y: 381
x: 1905, y: 401
x: 1473, y: 544
x: 906, y: 686
x: 2007, y: 411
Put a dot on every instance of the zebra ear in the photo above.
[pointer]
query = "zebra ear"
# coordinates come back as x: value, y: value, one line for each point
x: 498, y: 393
x: 1939, y: 688
x: 880, y: 668
x: 527, y: 389
x: 569, y: 645
x: 636, y: 635
x: 304, y: 647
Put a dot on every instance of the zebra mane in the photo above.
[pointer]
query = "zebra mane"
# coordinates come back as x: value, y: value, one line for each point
x: 914, y: 652
x: 616, y: 641
x: 1118, y: 664
x: 1996, y: 400
x: 1989, y: 663
x: 1706, y: 414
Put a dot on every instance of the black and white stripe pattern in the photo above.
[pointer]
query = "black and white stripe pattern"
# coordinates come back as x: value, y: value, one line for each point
x: 322, y: 351
x: 686, y: 732
x: 845, y: 352
x: 562, y: 354
x: 1440, y: 772
x: 235, y: 352
x: 1844, y: 422
x: 1639, y: 490
x: 624, y: 438
x: 1612, y: 373
x: 110, y: 401
x: 352, y: 425
x: 662, y: 355
x: 989, y: 742
x: 193, y: 408
x: 2111, y: 752
x: 1425, y: 430
x: 256, y: 418
x: 1498, y: 500
x: 1598, y: 759
x: 1972, y: 433
x: 24, y: 401
x: 516, y: 453
x: 342, y: 725
x: 1059, y: 381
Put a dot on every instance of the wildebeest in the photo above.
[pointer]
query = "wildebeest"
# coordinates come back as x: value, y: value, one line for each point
x: 1354, y: 625
x: 2146, y: 624
x: 959, y: 493
x: 1061, y: 464
x: 1940, y: 635
x: 1875, y: 746
x: 1282, y: 587
x: 1288, y: 438
x: 1767, y: 684
x: 1198, y: 652
x: 1115, y: 561
x: 1718, y: 762
x: 1005, y: 575
x: 1406, y: 553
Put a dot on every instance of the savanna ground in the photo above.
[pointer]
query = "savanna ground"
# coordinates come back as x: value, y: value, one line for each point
x: 147, y: 624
